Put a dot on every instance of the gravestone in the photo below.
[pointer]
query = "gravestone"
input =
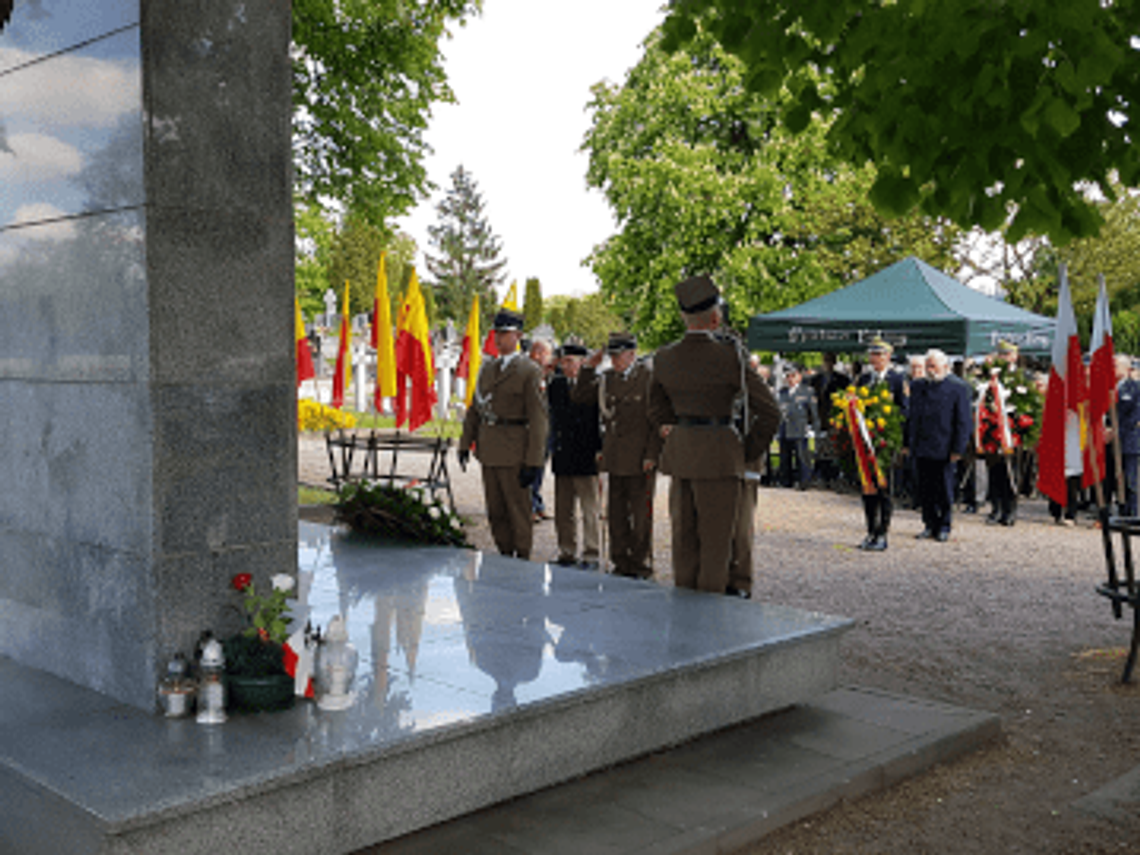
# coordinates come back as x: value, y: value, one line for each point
x: 146, y: 325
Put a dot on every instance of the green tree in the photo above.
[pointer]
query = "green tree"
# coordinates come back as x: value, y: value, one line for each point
x: 315, y: 235
x: 532, y: 304
x: 591, y: 318
x: 971, y: 109
x: 365, y: 75
x: 353, y: 257
x: 703, y: 180
x: 466, y: 259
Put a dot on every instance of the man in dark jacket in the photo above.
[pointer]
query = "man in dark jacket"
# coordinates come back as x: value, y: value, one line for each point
x: 1128, y: 417
x: 939, y: 423
x: 575, y: 442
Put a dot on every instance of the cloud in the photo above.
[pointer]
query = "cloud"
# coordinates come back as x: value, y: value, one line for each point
x: 68, y: 91
x: 37, y: 158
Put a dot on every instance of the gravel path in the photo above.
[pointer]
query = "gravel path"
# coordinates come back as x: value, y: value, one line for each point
x: 997, y: 619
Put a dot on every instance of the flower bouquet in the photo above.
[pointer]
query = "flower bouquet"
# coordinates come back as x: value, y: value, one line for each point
x: 255, y: 657
x: 882, y: 416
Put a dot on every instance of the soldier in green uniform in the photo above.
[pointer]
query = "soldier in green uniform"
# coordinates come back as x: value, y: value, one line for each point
x: 507, y: 424
x: 698, y: 384
x: 629, y: 449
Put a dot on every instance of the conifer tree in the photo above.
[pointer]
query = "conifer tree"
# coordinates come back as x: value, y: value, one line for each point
x: 466, y: 254
x: 532, y: 304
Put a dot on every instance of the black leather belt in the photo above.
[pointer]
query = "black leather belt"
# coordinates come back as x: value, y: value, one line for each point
x: 701, y: 421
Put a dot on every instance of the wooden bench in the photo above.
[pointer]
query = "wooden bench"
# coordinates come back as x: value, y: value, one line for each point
x: 355, y: 456
x: 1121, y: 587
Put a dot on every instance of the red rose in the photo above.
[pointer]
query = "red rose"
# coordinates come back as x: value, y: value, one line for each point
x: 241, y: 581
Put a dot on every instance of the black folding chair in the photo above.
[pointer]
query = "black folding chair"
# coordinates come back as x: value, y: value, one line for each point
x: 1122, y: 590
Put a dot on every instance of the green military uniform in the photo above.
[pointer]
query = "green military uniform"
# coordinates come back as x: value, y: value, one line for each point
x: 696, y: 382
x: 628, y: 442
x: 507, y: 423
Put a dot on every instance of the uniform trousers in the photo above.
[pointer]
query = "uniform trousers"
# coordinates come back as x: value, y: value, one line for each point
x: 703, y: 513
x: 571, y: 494
x: 1003, y: 491
x: 935, y: 492
x: 630, y: 515
x: 740, y: 567
x: 508, y: 510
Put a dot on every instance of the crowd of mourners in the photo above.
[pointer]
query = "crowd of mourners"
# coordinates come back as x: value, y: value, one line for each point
x: 935, y: 434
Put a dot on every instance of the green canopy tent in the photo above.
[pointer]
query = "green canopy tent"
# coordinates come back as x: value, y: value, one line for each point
x: 910, y: 304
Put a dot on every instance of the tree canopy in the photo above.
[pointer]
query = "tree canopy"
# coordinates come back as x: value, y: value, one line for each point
x: 365, y: 74
x: 974, y: 109
x: 703, y: 179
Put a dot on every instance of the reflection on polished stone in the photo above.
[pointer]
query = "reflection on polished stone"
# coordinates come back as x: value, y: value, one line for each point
x: 447, y: 635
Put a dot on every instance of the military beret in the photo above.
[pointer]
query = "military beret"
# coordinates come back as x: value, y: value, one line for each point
x: 696, y: 294
x: 572, y: 348
x: 508, y: 321
x: 1006, y: 347
x: 878, y: 345
x: 620, y: 341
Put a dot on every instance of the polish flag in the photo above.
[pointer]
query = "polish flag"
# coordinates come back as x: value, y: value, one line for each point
x: 1066, y: 400
x: 1102, y: 385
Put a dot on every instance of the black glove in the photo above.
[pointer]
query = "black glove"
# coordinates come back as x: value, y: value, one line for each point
x: 528, y: 475
x: 463, y: 456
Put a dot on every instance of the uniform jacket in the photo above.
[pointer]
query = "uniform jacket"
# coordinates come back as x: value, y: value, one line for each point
x: 940, y: 421
x: 896, y: 384
x: 799, y: 412
x: 1128, y: 414
x: 699, y: 376
x: 628, y: 437
x: 513, y: 394
x: 574, y: 429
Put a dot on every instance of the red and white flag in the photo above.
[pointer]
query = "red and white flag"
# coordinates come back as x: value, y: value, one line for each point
x: 1066, y: 404
x: 1102, y: 384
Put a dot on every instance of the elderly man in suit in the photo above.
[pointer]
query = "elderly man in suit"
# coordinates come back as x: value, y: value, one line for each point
x: 939, y: 427
x: 629, y: 449
x: 507, y: 424
x: 698, y: 384
x: 1128, y: 418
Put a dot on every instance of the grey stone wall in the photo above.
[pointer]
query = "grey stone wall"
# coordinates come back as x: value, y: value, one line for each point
x: 147, y: 398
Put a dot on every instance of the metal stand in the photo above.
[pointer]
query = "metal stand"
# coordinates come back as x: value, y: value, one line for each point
x: 1122, y: 592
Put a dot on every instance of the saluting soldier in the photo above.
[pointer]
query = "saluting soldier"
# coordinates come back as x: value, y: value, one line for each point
x: 698, y: 384
x: 507, y: 424
x: 630, y: 447
x: 877, y: 505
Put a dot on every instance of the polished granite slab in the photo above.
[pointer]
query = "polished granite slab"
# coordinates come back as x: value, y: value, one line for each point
x: 480, y: 678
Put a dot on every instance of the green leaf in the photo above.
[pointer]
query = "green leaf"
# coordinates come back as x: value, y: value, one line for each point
x: 797, y: 118
x: 1062, y: 117
x: 893, y: 194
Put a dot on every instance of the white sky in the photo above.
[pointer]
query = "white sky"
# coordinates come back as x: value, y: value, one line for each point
x: 522, y: 74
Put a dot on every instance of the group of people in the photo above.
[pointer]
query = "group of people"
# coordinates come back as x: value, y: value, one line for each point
x: 704, y: 413
x: 696, y: 411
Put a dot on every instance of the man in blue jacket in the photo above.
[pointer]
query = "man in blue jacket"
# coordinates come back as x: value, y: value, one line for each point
x: 939, y: 425
x: 1128, y: 417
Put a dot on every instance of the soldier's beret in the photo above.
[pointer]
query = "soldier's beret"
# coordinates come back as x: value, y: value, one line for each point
x: 508, y: 321
x: 1006, y: 347
x: 620, y: 341
x: 572, y: 348
x: 878, y: 345
x: 696, y: 294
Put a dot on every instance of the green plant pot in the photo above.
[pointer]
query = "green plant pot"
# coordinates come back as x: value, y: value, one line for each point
x: 260, y: 694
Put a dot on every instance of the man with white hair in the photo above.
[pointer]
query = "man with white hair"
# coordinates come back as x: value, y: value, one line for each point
x: 938, y: 432
x: 1128, y: 418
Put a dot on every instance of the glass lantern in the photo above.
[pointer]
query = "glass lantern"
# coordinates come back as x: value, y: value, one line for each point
x: 336, y: 668
x: 176, y: 690
x: 211, y: 688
